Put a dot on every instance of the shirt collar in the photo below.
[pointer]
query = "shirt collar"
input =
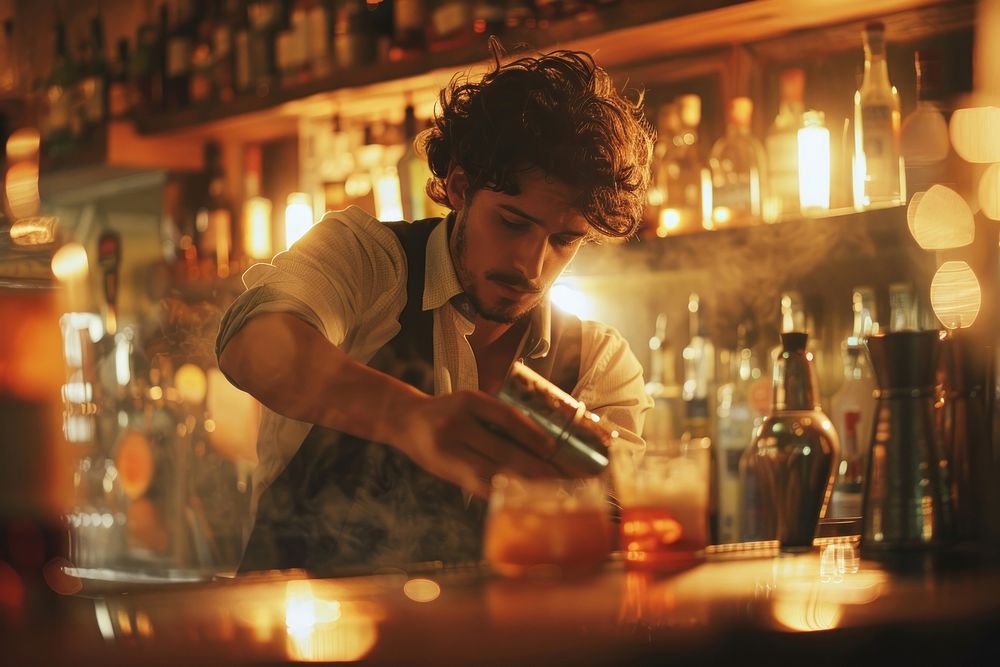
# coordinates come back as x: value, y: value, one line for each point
x: 441, y: 285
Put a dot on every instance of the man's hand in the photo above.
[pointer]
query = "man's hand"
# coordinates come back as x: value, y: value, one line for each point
x: 450, y: 436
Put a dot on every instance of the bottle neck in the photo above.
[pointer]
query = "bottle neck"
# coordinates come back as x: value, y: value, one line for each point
x: 794, y: 383
x: 876, y: 68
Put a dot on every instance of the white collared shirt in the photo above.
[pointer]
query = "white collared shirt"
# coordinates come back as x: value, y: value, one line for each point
x: 347, y: 277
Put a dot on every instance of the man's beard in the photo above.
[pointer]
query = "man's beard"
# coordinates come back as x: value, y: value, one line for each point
x: 500, y: 314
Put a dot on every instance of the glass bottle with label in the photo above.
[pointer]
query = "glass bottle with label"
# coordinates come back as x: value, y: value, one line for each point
x: 925, y: 143
x: 661, y: 218
x: 121, y: 93
x: 877, y: 161
x: 689, y: 183
x: 94, y: 80
x: 699, y: 384
x: 180, y: 46
x: 782, y: 148
x: 414, y: 172
x: 851, y: 408
x: 737, y: 162
x: 60, y: 90
x: 664, y: 420
x: 742, y: 404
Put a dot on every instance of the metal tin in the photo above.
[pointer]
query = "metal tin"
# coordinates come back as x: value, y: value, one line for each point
x: 582, y: 437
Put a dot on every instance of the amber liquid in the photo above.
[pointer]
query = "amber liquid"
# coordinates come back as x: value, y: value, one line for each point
x: 656, y: 540
x: 520, y: 541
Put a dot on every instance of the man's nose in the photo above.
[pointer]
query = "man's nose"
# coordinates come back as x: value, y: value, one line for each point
x: 531, y: 257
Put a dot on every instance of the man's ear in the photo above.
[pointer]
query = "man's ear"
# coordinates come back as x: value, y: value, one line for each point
x: 456, y: 186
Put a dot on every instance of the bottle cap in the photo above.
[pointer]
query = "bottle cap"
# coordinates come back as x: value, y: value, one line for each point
x: 792, y: 84
x: 740, y: 111
x: 794, y: 341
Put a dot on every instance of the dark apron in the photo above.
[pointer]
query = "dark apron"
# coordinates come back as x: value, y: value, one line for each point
x: 346, y: 504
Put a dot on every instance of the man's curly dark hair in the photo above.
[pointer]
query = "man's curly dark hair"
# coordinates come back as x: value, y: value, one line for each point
x: 558, y: 112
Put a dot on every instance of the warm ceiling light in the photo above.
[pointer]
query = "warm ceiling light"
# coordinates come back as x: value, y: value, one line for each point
x: 975, y: 133
x: 989, y: 192
x: 940, y: 219
x: 955, y: 295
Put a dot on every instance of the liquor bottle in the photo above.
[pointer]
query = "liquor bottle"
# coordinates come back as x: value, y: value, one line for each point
x: 876, y: 128
x: 662, y: 219
x: 263, y: 17
x: 180, y: 44
x: 60, y: 92
x: 743, y: 401
x: 242, y: 62
x: 739, y: 170
x: 94, y: 79
x: 792, y: 461
x: 319, y: 16
x: 353, y: 41
x: 699, y: 380
x: 215, y: 220
x: 224, y: 26
x: 9, y: 63
x: 414, y: 172
x: 409, y: 31
x: 689, y: 183
x: 291, y: 43
x: 924, y: 141
x: 201, y: 81
x: 782, y: 148
x: 519, y: 17
x: 664, y: 420
x: 450, y: 24
x: 145, y: 69
x: 488, y: 17
x: 121, y: 93
x: 852, y: 408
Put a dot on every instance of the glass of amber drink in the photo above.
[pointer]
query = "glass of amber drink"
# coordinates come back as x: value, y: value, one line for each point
x: 664, y: 497
x: 547, y: 527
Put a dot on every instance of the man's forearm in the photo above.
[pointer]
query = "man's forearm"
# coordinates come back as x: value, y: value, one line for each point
x: 294, y: 370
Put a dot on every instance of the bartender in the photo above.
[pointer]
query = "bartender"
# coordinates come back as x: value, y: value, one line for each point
x: 376, y: 349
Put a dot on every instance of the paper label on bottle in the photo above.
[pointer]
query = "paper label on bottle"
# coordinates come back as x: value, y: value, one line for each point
x: 178, y: 56
x: 319, y: 39
x: 879, y: 142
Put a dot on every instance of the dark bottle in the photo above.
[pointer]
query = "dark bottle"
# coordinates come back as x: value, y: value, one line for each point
x: 121, y: 93
x: 242, y: 62
x: 146, y: 70
x: 60, y: 91
x: 265, y: 23
x: 410, y: 29
x: 179, y: 47
x: 93, y: 84
x: 226, y: 21
x: 792, y: 462
x: 215, y: 219
x: 353, y: 41
x: 201, y: 84
x: 488, y: 17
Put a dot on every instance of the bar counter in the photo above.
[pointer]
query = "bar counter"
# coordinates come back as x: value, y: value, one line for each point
x: 827, y: 606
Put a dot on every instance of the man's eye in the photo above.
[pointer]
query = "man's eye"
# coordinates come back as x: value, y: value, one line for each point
x: 513, y: 225
x: 566, y: 240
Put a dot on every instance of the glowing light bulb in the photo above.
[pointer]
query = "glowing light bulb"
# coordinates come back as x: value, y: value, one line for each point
x: 940, y: 219
x: 955, y: 295
x: 191, y: 383
x: 975, y: 134
x: 814, y: 163
x: 989, y: 192
x: 257, y: 228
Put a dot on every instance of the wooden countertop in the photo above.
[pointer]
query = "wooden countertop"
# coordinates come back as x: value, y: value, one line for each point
x: 826, y: 606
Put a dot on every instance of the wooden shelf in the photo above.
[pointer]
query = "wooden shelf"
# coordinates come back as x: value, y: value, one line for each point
x: 634, y: 33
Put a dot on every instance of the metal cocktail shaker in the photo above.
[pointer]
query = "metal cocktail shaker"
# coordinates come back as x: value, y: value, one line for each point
x: 792, y: 460
x: 906, y: 500
x: 582, y: 438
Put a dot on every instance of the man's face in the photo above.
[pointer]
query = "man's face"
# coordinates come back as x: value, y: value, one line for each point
x: 509, y: 249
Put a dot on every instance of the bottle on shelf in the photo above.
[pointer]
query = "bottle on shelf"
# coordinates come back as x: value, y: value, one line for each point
x: 699, y: 383
x: 291, y: 44
x: 94, y: 80
x: 414, y: 172
x: 488, y: 17
x: 814, y: 181
x: 782, y: 147
x: 60, y: 93
x: 450, y: 24
x: 264, y: 23
x: 661, y: 219
x: 878, y: 166
x: 122, y: 94
x: 242, y: 59
x: 320, y: 38
x: 689, y: 183
x: 201, y: 81
x: 145, y: 69
x: 9, y: 74
x: 743, y: 401
x: 225, y: 19
x: 353, y: 40
x: 409, y: 29
x: 180, y: 44
x: 664, y: 420
x: 739, y: 170
x: 214, y: 221
x: 852, y: 408
x: 792, y: 462
x: 925, y: 142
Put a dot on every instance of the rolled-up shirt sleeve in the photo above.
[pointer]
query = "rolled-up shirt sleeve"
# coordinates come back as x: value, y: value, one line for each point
x: 611, y: 383
x: 347, y: 268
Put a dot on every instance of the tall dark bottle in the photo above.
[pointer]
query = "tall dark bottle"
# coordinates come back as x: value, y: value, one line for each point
x: 792, y: 462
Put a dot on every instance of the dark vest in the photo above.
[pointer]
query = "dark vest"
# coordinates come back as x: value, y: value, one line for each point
x: 343, y: 504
